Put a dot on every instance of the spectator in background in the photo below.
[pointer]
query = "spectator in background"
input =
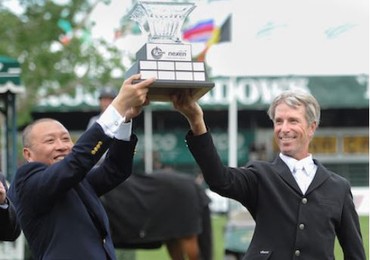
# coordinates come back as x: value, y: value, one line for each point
x: 299, y: 206
x: 9, y: 227
x: 106, y: 96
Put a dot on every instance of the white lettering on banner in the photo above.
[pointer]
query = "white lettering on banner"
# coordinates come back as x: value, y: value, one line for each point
x: 218, y: 94
x: 221, y: 141
x: 80, y: 97
x: 168, y: 142
x: 251, y: 91
x: 164, y: 142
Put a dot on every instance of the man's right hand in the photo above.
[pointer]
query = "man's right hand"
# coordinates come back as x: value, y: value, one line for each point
x: 187, y: 105
x: 132, y: 97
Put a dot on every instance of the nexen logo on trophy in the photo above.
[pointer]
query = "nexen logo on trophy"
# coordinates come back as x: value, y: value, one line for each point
x: 157, y: 53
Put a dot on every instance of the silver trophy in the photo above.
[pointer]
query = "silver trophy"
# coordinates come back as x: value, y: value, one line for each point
x: 165, y: 56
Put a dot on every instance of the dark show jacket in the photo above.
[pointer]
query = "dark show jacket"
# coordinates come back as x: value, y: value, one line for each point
x: 9, y: 227
x: 289, y: 225
x: 55, y: 203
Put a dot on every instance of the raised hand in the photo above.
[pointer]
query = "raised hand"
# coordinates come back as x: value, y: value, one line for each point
x: 187, y: 105
x: 132, y: 97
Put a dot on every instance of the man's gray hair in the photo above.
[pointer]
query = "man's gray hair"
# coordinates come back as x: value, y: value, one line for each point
x: 295, y: 98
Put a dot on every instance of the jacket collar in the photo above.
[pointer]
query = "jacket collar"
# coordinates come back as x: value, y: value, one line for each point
x: 283, y: 170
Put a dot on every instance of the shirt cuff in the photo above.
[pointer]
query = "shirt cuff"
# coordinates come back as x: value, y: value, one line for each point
x: 124, y: 131
x: 113, y: 124
x: 5, y: 205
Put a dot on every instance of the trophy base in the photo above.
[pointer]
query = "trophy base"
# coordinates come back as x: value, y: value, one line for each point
x: 162, y: 90
x: 173, y: 69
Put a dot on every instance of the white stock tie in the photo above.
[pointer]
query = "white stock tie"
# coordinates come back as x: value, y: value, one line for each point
x: 301, y: 177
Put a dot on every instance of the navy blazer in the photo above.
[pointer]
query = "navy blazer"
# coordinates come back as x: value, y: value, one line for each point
x: 59, y: 207
x: 9, y: 227
x: 289, y: 225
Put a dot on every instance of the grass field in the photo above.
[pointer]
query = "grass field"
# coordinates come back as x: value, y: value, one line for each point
x: 218, y: 223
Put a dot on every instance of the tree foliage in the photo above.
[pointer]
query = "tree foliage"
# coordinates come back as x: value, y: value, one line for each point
x: 53, y: 45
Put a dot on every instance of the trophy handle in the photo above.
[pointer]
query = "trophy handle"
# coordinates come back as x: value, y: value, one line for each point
x: 138, y: 15
x: 161, y: 21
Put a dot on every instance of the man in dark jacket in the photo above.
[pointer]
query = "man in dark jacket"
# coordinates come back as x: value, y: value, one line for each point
x: 299, y: 206
x: 56, y: 193
x: 9, y: 227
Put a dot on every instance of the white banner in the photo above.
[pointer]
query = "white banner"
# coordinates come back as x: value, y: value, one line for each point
x: 361, y: 199
x: 12, y: 250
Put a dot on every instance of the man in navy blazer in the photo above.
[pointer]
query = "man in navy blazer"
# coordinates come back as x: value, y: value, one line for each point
x: 299, y: 206
x: 9, y: 227
x: 56, y: 193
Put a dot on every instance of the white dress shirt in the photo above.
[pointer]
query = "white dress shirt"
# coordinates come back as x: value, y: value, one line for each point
x: 114, y: 125
x: 303, y: 170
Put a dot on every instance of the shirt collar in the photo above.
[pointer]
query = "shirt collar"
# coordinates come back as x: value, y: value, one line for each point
x: 307, y: 162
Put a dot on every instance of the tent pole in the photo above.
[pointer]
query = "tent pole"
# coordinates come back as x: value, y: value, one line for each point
x: 148, y: 139
x: 233, y: 123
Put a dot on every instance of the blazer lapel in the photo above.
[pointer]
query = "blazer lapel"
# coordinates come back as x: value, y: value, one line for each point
x: 320, y: 176
x: 285, y: 173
